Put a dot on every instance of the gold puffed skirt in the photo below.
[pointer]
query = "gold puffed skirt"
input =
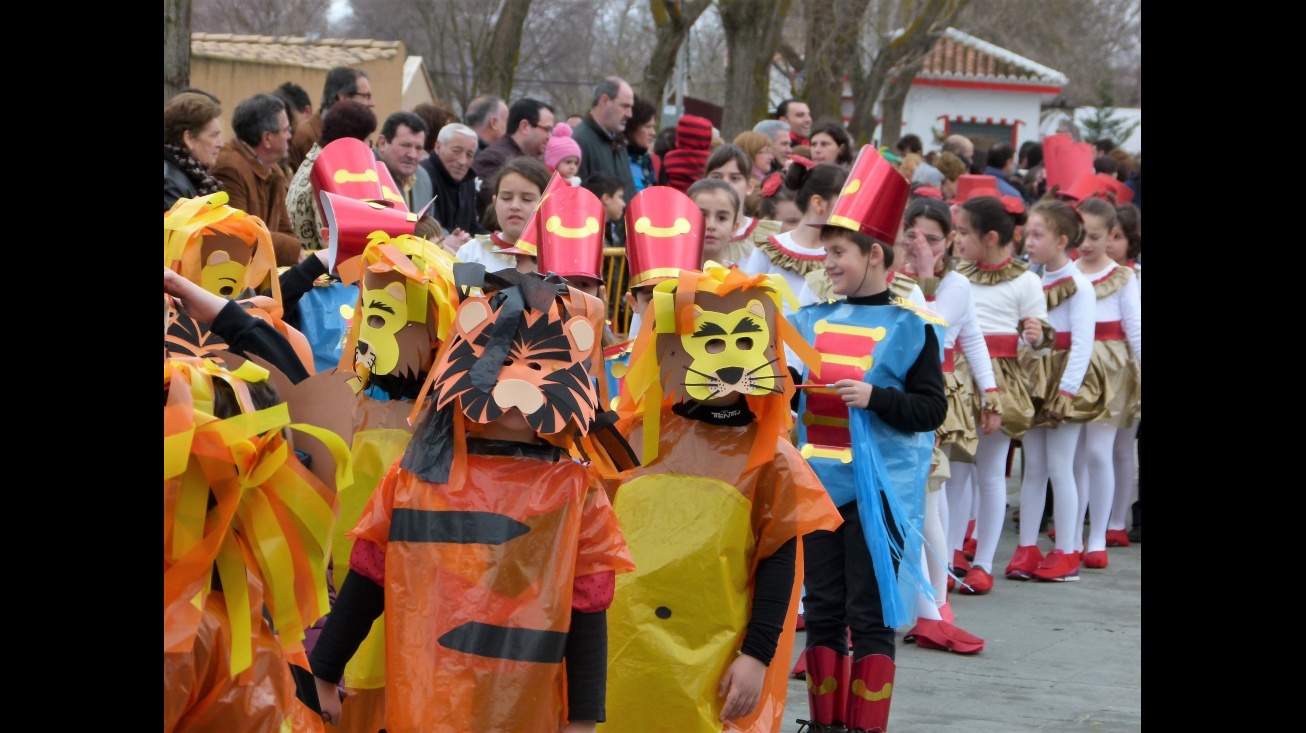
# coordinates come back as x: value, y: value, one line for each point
x: 1014, y: 396
x: 1045, y: 374
x: 940, y: 470
x: 958, y: 435
x: 1112, y: 391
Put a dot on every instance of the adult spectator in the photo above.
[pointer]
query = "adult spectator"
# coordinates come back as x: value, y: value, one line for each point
x: 953, y: 168
x: 687, y: 161
x: 530, y: 122
x: 781, y: 146
x: 641, y: 130
x: 1001, y: 163
x: 831, y: 143
x: 249, y: 169
x: 399, y: 146
x: 798, y: 115
x: 488, y: 116
x: 455, y: 191
x: 299, y: 107
x: 1103, y: 147
x: 599, y: 134
x: 1031, y: 160
x: 192, y: 137
x: 435, y: 117
x: 342, y: 82
x: 910, y: 149
x: 960, y: 146
x: 348, y: 119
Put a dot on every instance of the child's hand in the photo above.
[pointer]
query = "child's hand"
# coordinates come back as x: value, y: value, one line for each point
x: 1033, y: 330
x: 455, y: 239
x: 192, y: 299
x: 741, y: 687
x: 990, y: 422
x: 329, y: 697
x: 854, y: 392
x: 921, y: 256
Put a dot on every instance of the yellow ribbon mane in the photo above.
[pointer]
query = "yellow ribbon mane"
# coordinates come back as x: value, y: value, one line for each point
x: 271, y: 517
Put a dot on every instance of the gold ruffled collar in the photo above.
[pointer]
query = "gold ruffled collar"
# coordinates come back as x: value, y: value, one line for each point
x: 1112, y: 281
x: 791, y: 260
x: 1060, y: 291
x: 1005, y: 271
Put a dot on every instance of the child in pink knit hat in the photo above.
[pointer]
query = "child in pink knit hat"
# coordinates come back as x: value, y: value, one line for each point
x: 562, y: 154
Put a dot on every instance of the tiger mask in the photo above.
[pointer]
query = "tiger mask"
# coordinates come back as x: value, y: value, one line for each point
x: 504, y: 355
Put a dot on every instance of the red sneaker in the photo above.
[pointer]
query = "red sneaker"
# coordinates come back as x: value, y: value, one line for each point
x: 1058, y: 566
x: 979, y: 582
x: 1023, y: 562
x: 1117, y: 538
x: 1096, y: 559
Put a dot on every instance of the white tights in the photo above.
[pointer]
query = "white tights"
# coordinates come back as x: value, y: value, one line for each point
x: 960, y: 491
x: 1123, y: 459
x: 935, y: 548
x: 1050, y: 453
x: 1095, y: 477
x: 991, y: 472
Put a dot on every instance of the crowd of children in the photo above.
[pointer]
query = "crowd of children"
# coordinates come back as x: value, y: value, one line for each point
x: 496, y: 513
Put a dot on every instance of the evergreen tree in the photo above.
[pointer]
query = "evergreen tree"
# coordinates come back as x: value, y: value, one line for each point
x: 1102, y: 125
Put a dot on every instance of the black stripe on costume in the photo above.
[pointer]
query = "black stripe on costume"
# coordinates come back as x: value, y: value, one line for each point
x: 502, y: 642
x: 486, y: 528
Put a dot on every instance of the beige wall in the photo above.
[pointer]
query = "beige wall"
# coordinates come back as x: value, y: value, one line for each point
x: 233, y: 81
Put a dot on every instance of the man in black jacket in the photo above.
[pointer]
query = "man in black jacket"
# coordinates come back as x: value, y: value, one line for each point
x: 599, y: 134
x: 455, y: 192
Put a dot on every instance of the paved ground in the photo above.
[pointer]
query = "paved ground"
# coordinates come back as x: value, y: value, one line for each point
x: 1061, y: 657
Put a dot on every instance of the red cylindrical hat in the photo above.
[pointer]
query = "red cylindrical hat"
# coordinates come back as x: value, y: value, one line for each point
x: 971, y: 185
x: 1124, y: 194
x: 350, y: 224
x: 873, y: 199
x: 1064, y: 160
x: 664, y: 235
x: 529, y: 241
x: 347, y: 167
x: 1086, y: 185
x: 571, y: 233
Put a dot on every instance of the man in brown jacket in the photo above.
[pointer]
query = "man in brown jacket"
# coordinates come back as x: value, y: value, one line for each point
x: 342, y: 82
x: 250, y: 173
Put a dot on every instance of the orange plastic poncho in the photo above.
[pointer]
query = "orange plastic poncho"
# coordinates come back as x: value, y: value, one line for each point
x: 478, y: 588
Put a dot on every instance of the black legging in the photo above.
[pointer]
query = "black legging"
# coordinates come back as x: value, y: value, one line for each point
x: 842, y: 591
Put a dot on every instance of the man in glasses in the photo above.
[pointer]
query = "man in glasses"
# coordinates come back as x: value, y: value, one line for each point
x: 530, y: 123
x: 342, y: 82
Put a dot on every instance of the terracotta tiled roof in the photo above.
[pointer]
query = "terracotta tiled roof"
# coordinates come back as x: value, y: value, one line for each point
x: 958, y: 55
x: 322, y: 53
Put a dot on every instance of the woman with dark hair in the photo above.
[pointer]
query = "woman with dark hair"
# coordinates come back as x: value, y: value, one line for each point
x: 641, y: 130
x: 831, y: 144
x: 192, y: 137
x: 347, y: 119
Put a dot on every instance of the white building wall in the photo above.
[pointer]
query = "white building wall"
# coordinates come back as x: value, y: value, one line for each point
x: 925, y: 104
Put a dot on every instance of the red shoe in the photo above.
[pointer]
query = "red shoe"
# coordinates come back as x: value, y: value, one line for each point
x: 800, y: 624
x: 952, y: 582
x: 968, y: 548
x: 1023, y: 562
x: 1052, y: 533
x: 1058, y: 566
x: 977, y: 582
x: 960, y: 563
x: 1117, y: 538
x: 1096, y: 559
x: 946, y: 612
x: 931, y: 634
